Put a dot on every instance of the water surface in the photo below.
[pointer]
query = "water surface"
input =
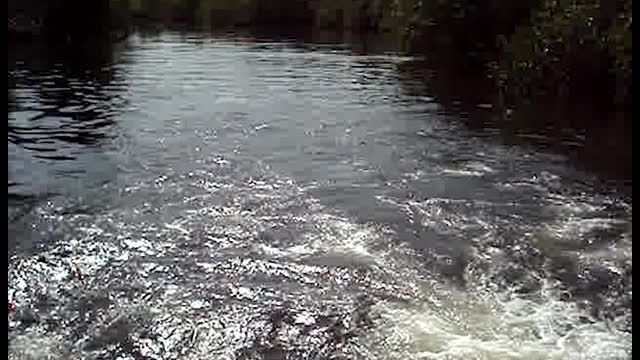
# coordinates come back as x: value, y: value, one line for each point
x: 188, y: 195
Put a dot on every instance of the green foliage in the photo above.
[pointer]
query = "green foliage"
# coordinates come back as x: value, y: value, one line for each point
x: 569, y: 44
x: 532, y: 47
x: 529, y: 47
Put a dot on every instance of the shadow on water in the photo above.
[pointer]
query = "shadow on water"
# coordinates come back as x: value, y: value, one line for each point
x: 62, y: 99
x: 589, y: 137
x: 592, y: 136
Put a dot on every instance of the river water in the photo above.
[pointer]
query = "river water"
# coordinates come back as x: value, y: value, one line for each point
x: 182, y: 195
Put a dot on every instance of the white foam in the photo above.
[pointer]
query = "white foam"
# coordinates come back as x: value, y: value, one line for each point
x: 32, y: 346
x: 462, y: 172
x: 435, y: 321
x: 480, y: 167
x: 338, y: 241
x: 461, y: 326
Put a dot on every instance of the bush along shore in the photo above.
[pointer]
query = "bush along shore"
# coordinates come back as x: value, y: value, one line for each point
x: 552, y: 51
x: 535, y: 50
x: 532, y: 50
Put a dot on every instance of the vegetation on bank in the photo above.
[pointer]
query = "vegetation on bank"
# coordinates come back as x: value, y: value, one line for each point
x: 532, y: 49
x: 580, y: 49
x: 544, y: 49
x: 535, y: 49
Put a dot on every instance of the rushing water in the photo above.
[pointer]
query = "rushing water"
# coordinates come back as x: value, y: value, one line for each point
x: 217, y: 197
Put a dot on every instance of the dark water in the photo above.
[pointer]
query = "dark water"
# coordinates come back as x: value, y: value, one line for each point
x: 184, y: 195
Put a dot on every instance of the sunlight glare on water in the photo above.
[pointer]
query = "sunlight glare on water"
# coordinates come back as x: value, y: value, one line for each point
x: 232, y: 198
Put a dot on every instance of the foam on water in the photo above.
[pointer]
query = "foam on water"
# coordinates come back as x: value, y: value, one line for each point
x: 416, y: 315
x: 462, y: 326
x: 196, y: 249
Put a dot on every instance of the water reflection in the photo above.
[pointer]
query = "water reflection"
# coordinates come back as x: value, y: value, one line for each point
x: 592, y: 136
x: 62, y: 104
x: 264, y: 186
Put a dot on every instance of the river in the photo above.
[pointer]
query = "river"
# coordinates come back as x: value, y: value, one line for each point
x: 188, y: 195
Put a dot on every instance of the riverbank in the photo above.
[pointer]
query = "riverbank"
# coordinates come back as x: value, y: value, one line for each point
x: 531, y: 51
x: 545, y: 51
